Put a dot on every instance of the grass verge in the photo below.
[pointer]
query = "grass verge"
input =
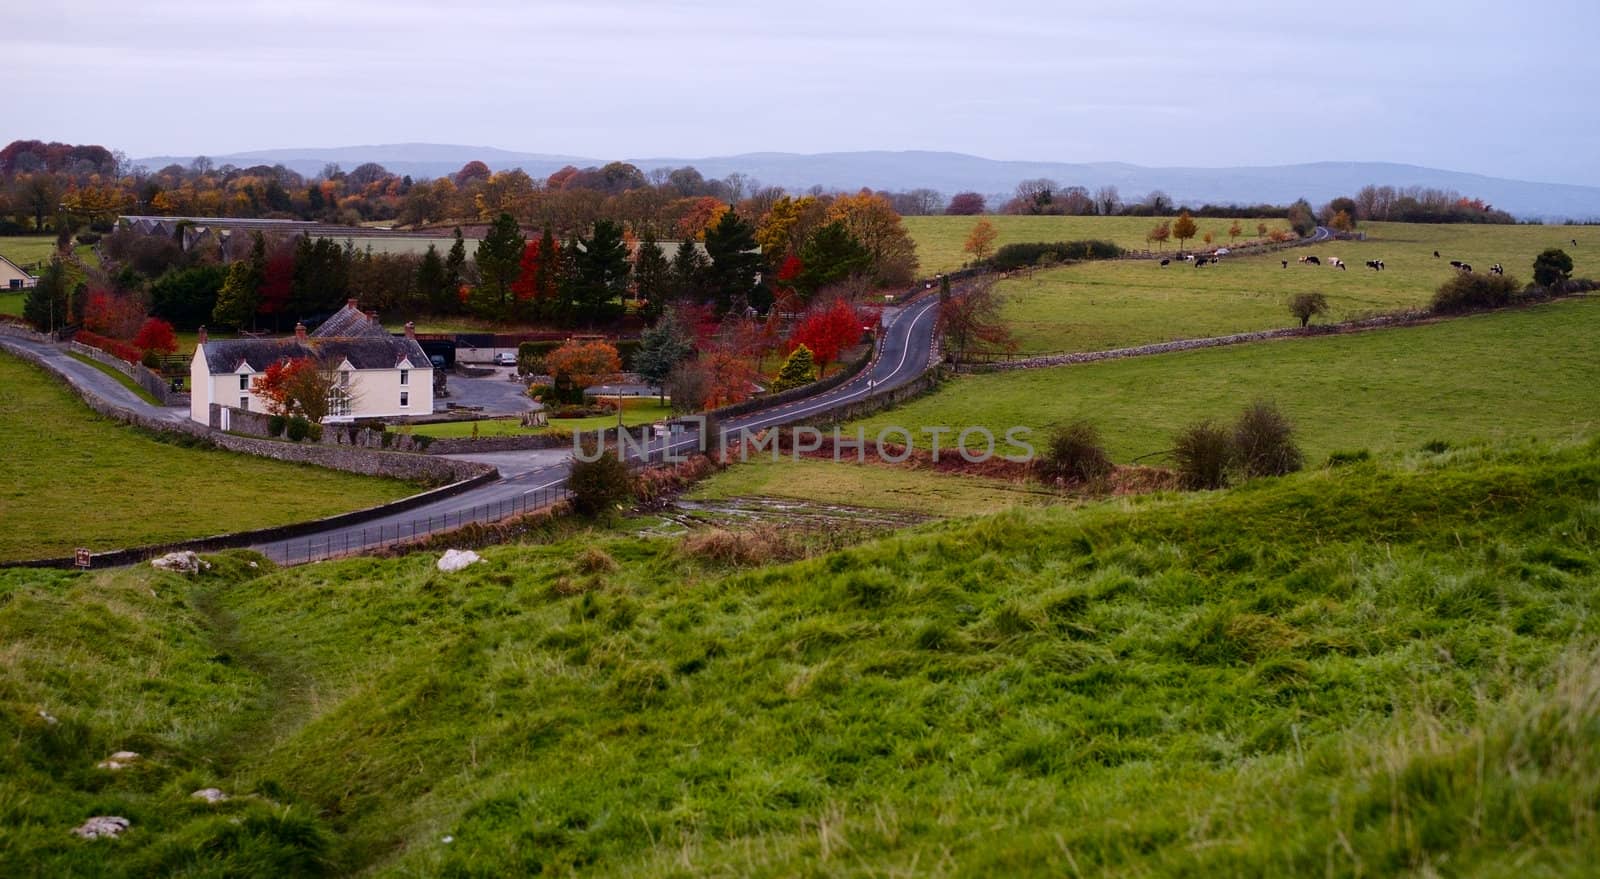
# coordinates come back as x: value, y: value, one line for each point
x: 121, y: 378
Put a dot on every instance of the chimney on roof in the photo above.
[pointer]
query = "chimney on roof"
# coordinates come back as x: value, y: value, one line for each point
x: 300, y: 332
x: 411, y: 330
x: 200, y: 338
x: 372, y: 316
x: 351, y: 302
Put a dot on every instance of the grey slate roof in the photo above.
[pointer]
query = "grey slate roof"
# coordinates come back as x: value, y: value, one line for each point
x: 349, y: 322
x: 381, y: 351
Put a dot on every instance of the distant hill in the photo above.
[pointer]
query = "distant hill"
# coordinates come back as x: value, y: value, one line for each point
x: 954, y: 172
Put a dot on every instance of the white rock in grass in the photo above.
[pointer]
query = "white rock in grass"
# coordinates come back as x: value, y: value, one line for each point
x: 102, y: 826
x: 118, y: 760
x: 456, y: 559
x: 209, y: 794
x: 47, y: 717
x: 185, y: 562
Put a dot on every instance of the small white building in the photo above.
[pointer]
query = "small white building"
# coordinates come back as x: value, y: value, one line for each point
x: 380, y: 375
x: 13, y: 278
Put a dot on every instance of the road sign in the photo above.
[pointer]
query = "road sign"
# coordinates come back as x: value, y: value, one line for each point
x: 80, y: 557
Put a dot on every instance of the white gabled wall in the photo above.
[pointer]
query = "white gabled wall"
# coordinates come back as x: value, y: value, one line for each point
x: 377, y: 391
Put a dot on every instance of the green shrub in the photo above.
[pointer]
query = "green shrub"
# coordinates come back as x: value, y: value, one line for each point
x: 1346, y: 458
x: 1552, y: 267
x: 298, y: 428
x: 1073, y: 453
x: 1264, y: 441
x: 530, y: 356
x: 1470, y: 291
x: 150, y: 360
x: 1305, y: 306
x: 276, y: 424
x: 314, y: 431
x: 599, y: 486
x: 798, y: 370
x: 1204, y: 454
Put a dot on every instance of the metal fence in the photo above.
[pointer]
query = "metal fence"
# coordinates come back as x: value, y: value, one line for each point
x: 359, y: 539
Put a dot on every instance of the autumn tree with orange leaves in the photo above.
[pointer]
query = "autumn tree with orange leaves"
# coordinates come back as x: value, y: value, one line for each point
x: 577, y: 365
x: 980, y: 241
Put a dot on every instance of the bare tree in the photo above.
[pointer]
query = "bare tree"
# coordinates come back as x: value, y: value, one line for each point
x: 1107, y: 200
x: 971, y: 323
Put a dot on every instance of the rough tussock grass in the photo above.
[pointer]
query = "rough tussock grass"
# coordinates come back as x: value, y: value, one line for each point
x: 1385, y: 668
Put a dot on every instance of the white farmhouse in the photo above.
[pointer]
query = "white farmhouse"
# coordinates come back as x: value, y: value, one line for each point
x: 382, y: 375
x: 13, y: 277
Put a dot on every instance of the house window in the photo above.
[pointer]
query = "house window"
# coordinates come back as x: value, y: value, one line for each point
x: 405, y: 376
x: 344, y: 378
x: 244, y: 382
x: 405, y: 399
x: 244, y: 403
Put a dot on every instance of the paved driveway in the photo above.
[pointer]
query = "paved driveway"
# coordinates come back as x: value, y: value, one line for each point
x: 497, y: 394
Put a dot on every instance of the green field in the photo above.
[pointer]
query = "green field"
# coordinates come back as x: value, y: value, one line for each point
x: 940, y: 239
x: 1509, y: 374
x: 1389, y: 669
x: 890, y: 488
x: 1114, y: 304
x: 635, y: 411
x: 26, y: 250
x: 69, y: 478
x: 11, y: 303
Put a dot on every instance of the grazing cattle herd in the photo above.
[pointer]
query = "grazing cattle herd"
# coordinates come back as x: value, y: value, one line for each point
x: 1200, y: 260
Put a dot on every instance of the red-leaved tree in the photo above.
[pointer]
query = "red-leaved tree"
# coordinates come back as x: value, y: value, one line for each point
x: 827, y: 330
x: 110, y: 314
x: 536, y: 278
x: 156, y: 335
x: 276, y: 280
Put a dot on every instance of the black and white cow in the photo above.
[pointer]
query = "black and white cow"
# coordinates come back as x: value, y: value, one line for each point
x: 1375, y: 264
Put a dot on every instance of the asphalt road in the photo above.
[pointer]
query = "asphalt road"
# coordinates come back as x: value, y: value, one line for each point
x: 532, y: 479
x: 84, y: 376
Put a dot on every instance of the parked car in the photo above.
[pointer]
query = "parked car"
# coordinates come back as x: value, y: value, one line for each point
x: 505, y: 359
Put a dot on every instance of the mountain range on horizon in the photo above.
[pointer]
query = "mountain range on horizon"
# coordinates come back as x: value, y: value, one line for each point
x: 949, y: 173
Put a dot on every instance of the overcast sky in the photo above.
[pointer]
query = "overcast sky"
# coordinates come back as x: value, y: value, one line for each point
x: 1489, y: 87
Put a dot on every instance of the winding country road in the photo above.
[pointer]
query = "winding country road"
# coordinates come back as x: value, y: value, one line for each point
x: 530, y: 480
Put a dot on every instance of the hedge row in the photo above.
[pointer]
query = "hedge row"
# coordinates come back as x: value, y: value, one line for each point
x: 1020, y: 255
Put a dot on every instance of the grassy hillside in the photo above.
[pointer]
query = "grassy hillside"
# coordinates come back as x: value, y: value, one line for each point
x: 940, y: 239
x: 1511, y: 374
x: 69, y: 478
x: 1103, y: 305
x: 1376, y: 670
